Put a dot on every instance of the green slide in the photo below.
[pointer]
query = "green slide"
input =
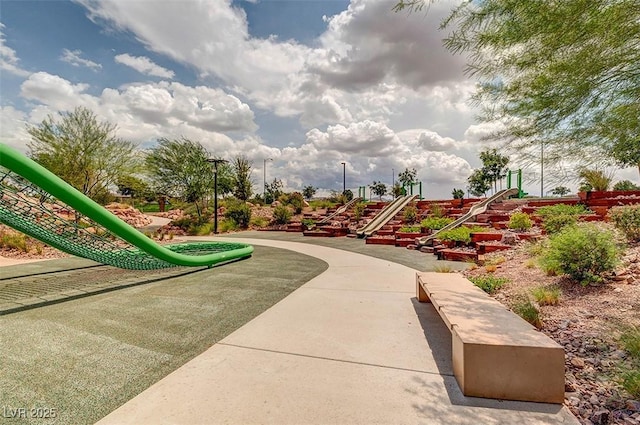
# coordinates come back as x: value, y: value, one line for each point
x: 38, y: 203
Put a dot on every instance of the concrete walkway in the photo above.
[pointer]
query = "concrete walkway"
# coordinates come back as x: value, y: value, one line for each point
x: 352, y: 346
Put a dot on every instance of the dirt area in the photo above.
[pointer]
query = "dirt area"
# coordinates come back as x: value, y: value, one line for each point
x: 587, y: 322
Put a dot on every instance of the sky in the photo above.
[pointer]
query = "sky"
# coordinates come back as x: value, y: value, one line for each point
x: 298, y: 86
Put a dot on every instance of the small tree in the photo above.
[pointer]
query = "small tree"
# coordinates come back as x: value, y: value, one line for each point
x: 82, y: 151
x: 626, y: 185
x: 308, y: 192
x: 597, y: 179
x: 242, y: 169
x: 273, y: 191
x: 378, y: 188
x: 479, y: 182
x: 408, y: 176
x: 494, y: 166
x: 133, y: 186
x: 561, y: 191
x: 396, y: 190
x: 457, y: 194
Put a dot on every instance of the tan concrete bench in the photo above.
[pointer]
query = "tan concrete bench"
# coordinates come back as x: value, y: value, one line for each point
x: 496, y: 354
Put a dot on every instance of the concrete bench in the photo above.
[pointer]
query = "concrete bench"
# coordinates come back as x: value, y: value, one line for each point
x: 496, y: 354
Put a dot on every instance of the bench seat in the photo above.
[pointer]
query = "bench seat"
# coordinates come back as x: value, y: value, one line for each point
x: 496, y: 354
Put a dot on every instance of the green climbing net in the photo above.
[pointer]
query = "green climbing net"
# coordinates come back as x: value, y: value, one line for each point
x: 32, y: 211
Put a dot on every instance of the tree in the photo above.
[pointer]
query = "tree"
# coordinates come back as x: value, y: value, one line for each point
x: 308, y: 192
x: 408, y: 176
x: 179, y: 168
x: 457, y: 193
x: 563, y: 75
x: 596, y: 179
x: 626, y: 185
x: 479, y: 182
x: 396, y: 190
x: 82, y: 151
x: 494, y: 166
x: 129, y: 185
x: 273, y: 191
x: 561, y: 191
x: 243, y: 185
x: 378, y: 188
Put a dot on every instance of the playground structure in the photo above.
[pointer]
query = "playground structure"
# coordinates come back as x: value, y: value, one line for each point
x: 38, y: 203
x: 385, y: 215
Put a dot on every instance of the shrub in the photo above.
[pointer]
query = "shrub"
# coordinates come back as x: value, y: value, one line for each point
x: 435, y: 223
x: 626, y: 185
x: 410, y: 229
x: 442, y: 268
x: 202, y: 229
x: 627, y: 219
x: 296, y: 200
x: 488, y: 283
x: 227, y: 225
x: 524, y: 308
x: 490, y: 268
x: 520, y: 221
x: 459, y: 234
x: 358, y: 210
x: 556, y: 217
x: 630, y: 340
x: 410, y: 214
x: 585, y: 252
x: 239, y: 212
x: 13, y: 241
x: 308, y: 223
x: 282, y: 214
x: 259, y: 221
x: 436, y: 211
x: 546, y: 295
x: 597, y: 179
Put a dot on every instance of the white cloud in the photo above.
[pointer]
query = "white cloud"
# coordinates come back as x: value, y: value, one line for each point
x: 12, y: 128
x: 8, y: 58
x: 74, y: 58
x: 143, y: 65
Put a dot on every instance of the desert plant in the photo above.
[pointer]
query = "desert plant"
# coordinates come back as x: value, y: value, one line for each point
x: 626, y: 185
x: 410, y: 214
x: 308, y: 223
x: 459, y: 234
x: 435, y: 223
x: 239, y: 212
x: 282, y: 214
x: 13, y: 240
x: 410, y: 229
x: 457, y: 193
x: 358, y: 210
x: 259, y: 221
x: 488, y: 283
x: 524, y: 308
x: 584, y: 252
x: 202, y: 229
x: 436, y: 210
x: 627, y: 219
x: 227, y: 225
x: 556, y: 217
x: 442, y: 268
x: 630, y: 378
x: 490, y: 268
x: 530, y: 263
x: 597, y: 179
x: 546, y: 295
x: 520, y: 221
x: 630, y: 340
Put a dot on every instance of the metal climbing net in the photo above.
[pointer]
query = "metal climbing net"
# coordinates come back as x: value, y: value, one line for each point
x: 30, y: 210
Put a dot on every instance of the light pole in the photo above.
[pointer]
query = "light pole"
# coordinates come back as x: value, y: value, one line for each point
x: 264, y: 178
x: 541, y: 169
x: 215, y: 162
x: 344, y: 177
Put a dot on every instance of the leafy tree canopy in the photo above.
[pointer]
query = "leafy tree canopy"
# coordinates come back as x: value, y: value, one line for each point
x: 309, y: 191
x: 563, y: 73
x: 243, y: 185
x: 82, y: 151
x: 378, y: 188
x: 408, y: 176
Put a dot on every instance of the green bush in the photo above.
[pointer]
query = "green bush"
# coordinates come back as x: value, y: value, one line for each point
x: 358, y: 210
x: 488, y: 283
x: 308, y: 222
x: 630, y: 339
x: 296, y: 200
x: 436, y: 210
x: 282, y: 214
x: 410, y: 229
x: 546, y: 295
x: 435, y: 223
x: 584, y: 251
x: 627, y: 219
x: 556, y: 217
x: 13, y: 241
x: 630, y: 381
x: 227, y: 225
x: 239, y: 212
x: 459, y: 234
x: 520, y: 221
x: 626, y: 185
x: 259, y: 221
x: 410, y: 214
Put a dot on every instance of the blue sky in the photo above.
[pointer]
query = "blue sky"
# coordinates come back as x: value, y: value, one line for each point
x: 308, y: 83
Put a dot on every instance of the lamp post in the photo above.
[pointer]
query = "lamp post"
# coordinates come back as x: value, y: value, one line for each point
x: 215, y: 162
x: 541, y: 169
x: 264, y: 178
x: 344, y: 177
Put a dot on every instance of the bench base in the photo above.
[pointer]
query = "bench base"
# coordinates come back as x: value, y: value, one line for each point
x: 496, y: 354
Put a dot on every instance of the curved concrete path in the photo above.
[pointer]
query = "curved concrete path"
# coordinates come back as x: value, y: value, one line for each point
x: 351, y: 346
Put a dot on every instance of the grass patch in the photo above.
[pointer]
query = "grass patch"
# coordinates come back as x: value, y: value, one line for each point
x: 524, y: 308
x: 259, y: 221
x: 546, y: 295
x: 487, y: 283
x: 630, y: 378
x: 442, y: 268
